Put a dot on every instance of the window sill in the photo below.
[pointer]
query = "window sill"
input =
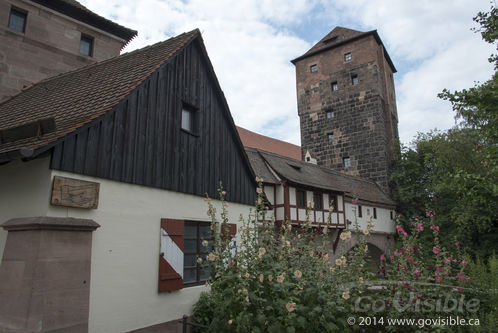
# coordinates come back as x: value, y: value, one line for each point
x: 190, y: 133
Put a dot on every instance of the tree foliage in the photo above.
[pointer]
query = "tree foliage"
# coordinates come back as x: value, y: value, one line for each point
x: 454, y: 174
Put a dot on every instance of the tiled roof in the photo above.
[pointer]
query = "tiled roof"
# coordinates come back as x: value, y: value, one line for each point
x: 255, y: 140
x: 75, y: 98
x: 259, y: 167
x: 308, y: 174
x: 340, y: 36
x: 79, y: 12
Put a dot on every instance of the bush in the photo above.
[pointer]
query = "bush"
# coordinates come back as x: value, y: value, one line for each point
x: 279, y: 278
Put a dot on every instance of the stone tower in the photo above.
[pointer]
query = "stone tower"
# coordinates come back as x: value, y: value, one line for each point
x: 347, y: 104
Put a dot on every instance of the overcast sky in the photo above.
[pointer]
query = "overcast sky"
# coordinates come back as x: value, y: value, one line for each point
x: 251, y: 43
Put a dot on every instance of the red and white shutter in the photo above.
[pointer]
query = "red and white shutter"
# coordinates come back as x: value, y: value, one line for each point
x: 171, y: 259
x: 228, y: 233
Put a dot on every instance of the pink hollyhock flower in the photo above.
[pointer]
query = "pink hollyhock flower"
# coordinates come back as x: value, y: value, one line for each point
x: 464, y: 262
x: 438, y: 278
x: 439, y: 269
x: 396, y: 253
x: 435, y: 250
x: 456, y: 244
x: 427, y: 213
x: 460, y: 288
x: 417, y: 273
x: 382, y: 257
x: 461, y: 276
x: 447, y: 261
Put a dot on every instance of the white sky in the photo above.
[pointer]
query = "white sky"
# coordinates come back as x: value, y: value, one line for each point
x: 251, y: 43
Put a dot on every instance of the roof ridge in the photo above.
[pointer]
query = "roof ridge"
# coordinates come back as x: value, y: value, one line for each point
x: 318, y: 166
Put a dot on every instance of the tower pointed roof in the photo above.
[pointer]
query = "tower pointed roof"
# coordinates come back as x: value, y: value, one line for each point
x: 340, y: 36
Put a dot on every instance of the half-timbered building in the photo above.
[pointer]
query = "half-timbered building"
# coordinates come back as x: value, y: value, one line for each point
x: 103, y: 171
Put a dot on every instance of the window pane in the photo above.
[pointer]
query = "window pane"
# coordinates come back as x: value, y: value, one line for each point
x: 300, y: 199
x: 205, y: 272
x: 187, y: 120
x: 190, y: 231
x: 17, y: 20
x: 318, y: 201
x: 189, y: 275
x: 205, y: 231
x: 190, y: 245
x: 190, y: 260
x: 86, y: 45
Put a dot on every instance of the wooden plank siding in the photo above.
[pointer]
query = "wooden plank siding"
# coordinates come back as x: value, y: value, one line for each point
x: 140, y: 140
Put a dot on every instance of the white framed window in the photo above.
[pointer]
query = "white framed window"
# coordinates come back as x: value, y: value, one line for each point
x: 314, y: 68
x: 347, y: 57
x: 330, y: 114
x: 347, y: 162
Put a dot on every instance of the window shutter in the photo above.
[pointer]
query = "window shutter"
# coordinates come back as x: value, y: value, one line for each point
x: 171, y: 258
x: 232, y: 230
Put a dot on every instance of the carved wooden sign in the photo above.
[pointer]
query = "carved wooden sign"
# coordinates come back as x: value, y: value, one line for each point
x: 71, y: 192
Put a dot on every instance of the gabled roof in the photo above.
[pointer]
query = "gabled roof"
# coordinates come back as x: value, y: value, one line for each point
x: 68, y: 101
x: 255, y: 140
x: 340, y: 36
x: 307, y: 174
x: 76, y: 10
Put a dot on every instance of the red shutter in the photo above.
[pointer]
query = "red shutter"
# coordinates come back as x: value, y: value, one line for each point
x: 171, y: 258
x: 232, y: 230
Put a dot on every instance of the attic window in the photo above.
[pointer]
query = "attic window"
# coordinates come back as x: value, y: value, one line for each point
x: 347, y: 162
x: 347, y: 57
x: 17, y: 20
x: 297, y: 167
x: 314, y: 68
x: 29, y: 130
x: 189, y: 118
x: 86, y: 45
x: 330, y: 40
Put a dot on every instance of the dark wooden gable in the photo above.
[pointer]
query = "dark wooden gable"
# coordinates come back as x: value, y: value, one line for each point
x: 140, y: 141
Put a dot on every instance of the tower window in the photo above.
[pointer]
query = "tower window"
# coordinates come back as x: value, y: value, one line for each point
x: 360, y: 213
x: 335, y: 86
x: 330, y: 114
x: 17, y: 20
x: 313, y: 68
x: 354, y: 79
x: 330, y: 136
x: 86, y: 45
x: 347, y: 162
x: 347, y: 56
x: 375, y: 213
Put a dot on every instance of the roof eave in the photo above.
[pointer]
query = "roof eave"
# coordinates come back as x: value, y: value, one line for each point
x: 16, y: 154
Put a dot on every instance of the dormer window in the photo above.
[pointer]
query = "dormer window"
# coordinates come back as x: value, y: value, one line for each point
x: 17, y: 20
x: 314, y: 68
x: 347, y: 57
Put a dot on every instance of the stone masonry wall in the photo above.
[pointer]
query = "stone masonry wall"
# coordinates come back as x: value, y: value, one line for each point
x: 49, y: 46
x: 364, y: 122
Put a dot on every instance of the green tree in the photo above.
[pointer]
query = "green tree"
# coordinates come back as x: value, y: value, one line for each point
x: 454, y: 174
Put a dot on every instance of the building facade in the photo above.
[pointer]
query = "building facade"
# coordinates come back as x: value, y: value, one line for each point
x: 43, y: 38
x: 347, y: 104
